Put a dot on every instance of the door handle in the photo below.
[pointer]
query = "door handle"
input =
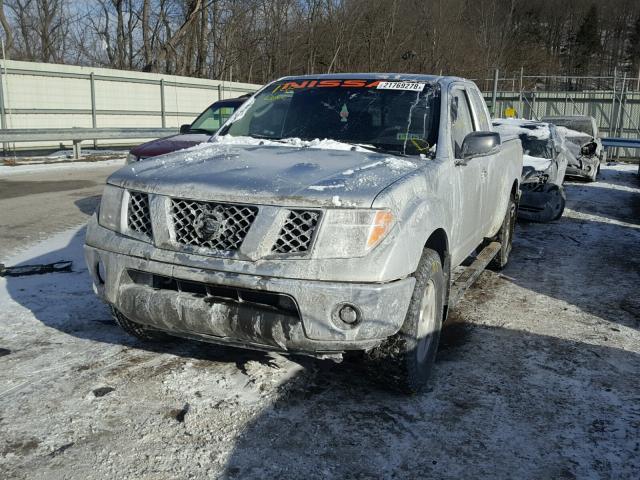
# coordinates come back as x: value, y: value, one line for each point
x: 483, y: 172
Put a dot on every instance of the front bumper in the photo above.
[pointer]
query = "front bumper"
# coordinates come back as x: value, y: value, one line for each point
x: 284, y: 314
x: 583, y: 166
x: 542, y: 202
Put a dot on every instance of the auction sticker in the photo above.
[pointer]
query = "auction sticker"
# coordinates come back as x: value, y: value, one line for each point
x: 413, y: 86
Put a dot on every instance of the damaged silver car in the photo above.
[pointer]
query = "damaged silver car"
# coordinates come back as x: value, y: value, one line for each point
x: 325, y: 217
x: 581, y: 132
x: 544, y: 164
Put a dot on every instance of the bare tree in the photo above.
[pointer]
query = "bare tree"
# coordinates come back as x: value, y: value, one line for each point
x: 8, y: 34
x: 258, y: 40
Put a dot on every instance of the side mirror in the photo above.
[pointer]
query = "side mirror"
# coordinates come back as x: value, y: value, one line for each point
x: 480, y: 144
x: 185, y: 128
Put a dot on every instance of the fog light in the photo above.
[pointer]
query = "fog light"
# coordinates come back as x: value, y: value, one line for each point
x: 348, y: 314
x: 100, y: 270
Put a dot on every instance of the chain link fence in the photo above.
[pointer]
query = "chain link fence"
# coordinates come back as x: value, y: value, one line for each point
x: 613, y: 101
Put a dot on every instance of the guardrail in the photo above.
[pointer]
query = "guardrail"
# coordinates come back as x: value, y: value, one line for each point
x: 77, y: 135
x: 621, y: 142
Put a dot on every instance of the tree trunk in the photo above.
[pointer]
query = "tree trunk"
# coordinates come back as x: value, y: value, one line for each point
x: 8, y: 35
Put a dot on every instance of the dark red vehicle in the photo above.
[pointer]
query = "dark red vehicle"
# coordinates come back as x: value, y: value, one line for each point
x: 207, y: 123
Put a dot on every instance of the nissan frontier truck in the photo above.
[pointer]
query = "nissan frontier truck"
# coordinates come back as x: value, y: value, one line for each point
x: 325, y: 217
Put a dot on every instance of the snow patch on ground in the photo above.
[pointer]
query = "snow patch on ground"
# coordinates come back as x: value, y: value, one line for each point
x: 6, y: 171
x: 537, y: 362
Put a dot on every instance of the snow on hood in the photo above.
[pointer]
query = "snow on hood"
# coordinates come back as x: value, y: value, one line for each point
x: 516, y: 127
x: 275, y: 173
x: 540, y: 164
x: 574, y: 137
x: 326, y: 143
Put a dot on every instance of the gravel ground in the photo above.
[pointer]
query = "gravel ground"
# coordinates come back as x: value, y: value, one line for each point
x: 537, y: 377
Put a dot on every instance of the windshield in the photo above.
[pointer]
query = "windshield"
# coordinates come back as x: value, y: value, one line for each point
x: 395, y: 117
x: 536, y: 147
x: 583, y: 126
x: 212, y: 119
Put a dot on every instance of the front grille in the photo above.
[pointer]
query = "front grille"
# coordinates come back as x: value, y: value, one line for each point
x: 216, y: 226
x: 139, y: 217
x: 297, y: 232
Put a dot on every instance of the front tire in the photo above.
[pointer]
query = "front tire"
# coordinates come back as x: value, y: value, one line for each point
x: 505, y: 236
x: 405, y: 361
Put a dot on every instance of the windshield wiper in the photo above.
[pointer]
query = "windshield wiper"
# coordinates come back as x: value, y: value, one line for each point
x: 266, y: 137
x: 200, y: 130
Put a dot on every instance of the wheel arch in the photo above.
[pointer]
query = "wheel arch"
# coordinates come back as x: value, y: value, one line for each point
x: 439, y: 242
x: 515, y: 190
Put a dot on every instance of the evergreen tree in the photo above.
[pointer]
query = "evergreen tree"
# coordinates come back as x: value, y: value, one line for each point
x: 587, y: 40
x: 633, y: 50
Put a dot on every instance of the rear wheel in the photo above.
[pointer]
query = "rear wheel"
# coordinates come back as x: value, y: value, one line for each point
x: 505, y: 236
x: 137, y: 330
x: 405, y: 360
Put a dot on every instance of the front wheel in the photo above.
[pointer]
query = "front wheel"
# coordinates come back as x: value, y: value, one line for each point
x: 505, y: 236
x: 405, y: 360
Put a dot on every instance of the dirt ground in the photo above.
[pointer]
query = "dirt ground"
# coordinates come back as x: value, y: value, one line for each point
x: 38, y: 200
x: 537, y: 375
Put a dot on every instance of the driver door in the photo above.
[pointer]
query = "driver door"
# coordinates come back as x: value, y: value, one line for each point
x: 468, y: 182
x: 495, y: 183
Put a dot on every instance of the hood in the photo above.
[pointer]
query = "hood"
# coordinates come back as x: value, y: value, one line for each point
x: 579, y: 139
x: 276, y: 175
x: 169, y: 144
x: 537, y: 163
x: 575, y: 137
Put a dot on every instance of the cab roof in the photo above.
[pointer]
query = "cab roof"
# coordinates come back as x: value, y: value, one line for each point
x: 416, y: 77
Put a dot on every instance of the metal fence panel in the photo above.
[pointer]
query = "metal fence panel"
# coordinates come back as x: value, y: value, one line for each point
x: 40, y: 95
x: 617, y: 114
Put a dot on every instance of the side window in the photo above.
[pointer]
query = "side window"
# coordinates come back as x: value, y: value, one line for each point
x: 480, y: 111
x: 461, y: 120
x: 212, y: 119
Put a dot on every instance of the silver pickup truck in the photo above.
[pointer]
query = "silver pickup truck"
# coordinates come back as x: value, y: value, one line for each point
x: 325, y: 217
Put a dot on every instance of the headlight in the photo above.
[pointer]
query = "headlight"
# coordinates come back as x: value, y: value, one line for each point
x: 352, y: 233
x: 131, y: 158
x: 589, y: 148
x: 111, y: 206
